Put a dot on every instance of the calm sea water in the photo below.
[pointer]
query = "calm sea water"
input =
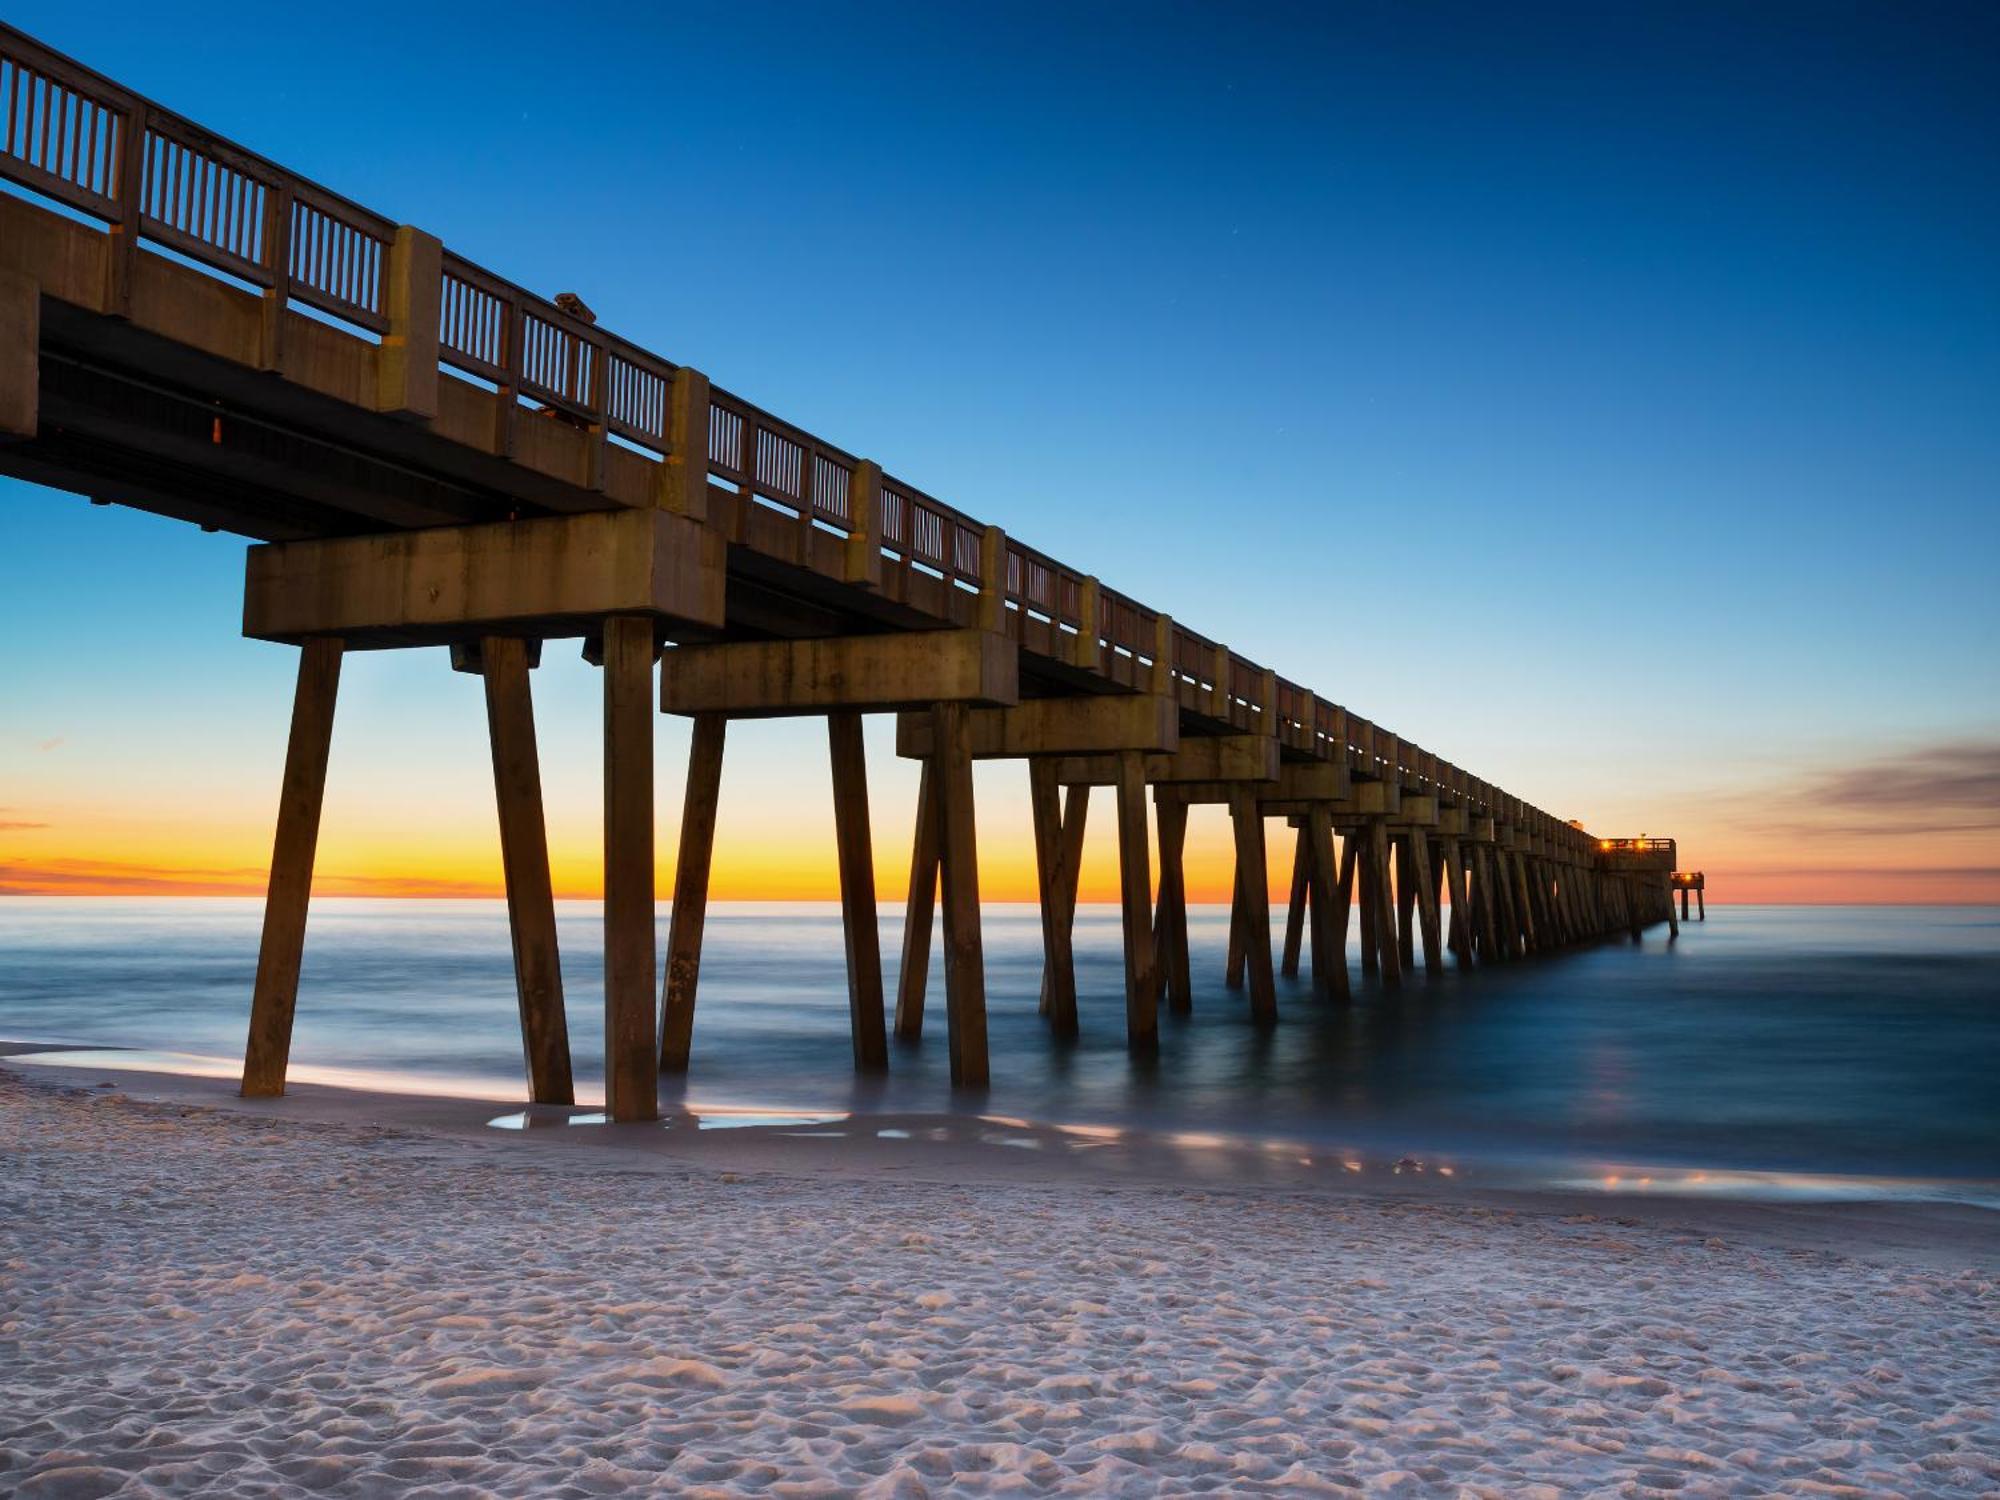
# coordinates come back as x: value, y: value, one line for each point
x: 1845, y: 1040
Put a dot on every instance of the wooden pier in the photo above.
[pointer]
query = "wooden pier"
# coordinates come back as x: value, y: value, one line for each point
x: 428, y: 455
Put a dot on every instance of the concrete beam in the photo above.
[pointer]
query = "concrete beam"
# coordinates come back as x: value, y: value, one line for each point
x: 1210, y: 758
x: 550, y: 577
x: 857, y: 673
x: 1418, y: 811
x: 1057, y: 726
x: 1296, y: 788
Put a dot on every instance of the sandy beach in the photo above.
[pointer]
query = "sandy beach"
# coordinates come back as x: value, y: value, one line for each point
x: 366, y: 1297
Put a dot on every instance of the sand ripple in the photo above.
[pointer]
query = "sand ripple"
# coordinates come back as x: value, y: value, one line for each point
x: 206, y: 1304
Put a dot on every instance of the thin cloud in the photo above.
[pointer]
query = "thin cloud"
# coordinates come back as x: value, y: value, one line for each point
x: 83, y: 877
x: 1873, y: 872
x: 1947, y: 787
x: 50, y: 744
x: 1962, y: 774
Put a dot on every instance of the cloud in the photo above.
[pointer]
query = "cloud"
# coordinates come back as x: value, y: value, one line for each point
x: 50, y: 744
x: 1962, y: 774
x: 11, y: 824
x: 100, y: 877
x: 86, y: 877
x: 1872, y: 872
x: 1946, y: 787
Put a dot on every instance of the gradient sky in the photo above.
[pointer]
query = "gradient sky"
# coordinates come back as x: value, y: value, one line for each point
x: 1605, y: 397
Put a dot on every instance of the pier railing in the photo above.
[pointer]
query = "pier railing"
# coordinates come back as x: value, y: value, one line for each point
x: 75, y: 137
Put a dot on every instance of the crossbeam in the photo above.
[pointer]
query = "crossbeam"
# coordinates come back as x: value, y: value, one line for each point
x: 859, y: 674
x: 1106, y: 723
x: 549, y: 577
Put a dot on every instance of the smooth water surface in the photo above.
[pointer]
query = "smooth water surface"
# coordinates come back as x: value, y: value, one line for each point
x: 1844, y: 1040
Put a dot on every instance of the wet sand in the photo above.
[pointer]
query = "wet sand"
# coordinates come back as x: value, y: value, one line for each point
x: 361, y: 1294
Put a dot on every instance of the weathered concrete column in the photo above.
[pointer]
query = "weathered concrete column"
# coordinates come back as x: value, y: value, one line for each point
x: 1170, y: 926
x: 1404, y: 845
x: 1239, y: 934
x: 1054, y: 883
x: 1386, y: 945
x: 1135, y: 888
x: 1295, y: 908
x: 958, y: 858
x: 1253, y: 892
x: 1329, y: 932
x: 524, y: 863
x: 631, y: 1065
x: 1075, y: 817
x: 690, y: 906
x: 1461, y: 903
x: 855, y: 857
x: 918, y: 910
x: 1364, y: 872
x: 282, y: 945
x: 1426, y: 896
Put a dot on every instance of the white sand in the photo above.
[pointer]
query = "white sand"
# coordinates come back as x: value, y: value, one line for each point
x: 209, y: 1303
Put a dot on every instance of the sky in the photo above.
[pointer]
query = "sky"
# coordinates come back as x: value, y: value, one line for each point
x: 1606, y: 398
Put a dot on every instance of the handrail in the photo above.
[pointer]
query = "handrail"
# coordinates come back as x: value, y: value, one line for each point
x: 75, y: 136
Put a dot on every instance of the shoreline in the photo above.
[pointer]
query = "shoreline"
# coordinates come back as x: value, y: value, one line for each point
x: 992, y: 1150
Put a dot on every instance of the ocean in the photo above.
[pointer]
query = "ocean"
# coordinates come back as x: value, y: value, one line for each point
x: 1830, y: 1045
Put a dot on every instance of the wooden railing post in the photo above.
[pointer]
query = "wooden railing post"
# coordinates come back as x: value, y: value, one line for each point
x: 278, y: 262
x: 596, y: 397
x: 1163, y: 654
x: 682, y: 481
x: 1087, y: 625
x: 993, y: 580
x: 129, y: 191
x: 861, y: 563
x: 406, y: 369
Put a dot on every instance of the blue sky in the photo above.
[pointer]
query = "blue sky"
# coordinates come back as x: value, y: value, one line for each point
x: 1606, y: 397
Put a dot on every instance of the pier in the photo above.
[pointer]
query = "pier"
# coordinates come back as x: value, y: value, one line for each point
x: 426, y: 455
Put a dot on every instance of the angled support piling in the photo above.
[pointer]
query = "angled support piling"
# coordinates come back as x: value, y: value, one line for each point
x: 524, y: 863
x: 1056, y: 886
x: 282, y: 945
x: 1254, y: 897
x: 1170, y: 926
x: 1427, y: 901
x: 919, y: 909
x: 856, y: 860
x: 1295, y: 910
x: 690, y: 907
x: 1329, y: 928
